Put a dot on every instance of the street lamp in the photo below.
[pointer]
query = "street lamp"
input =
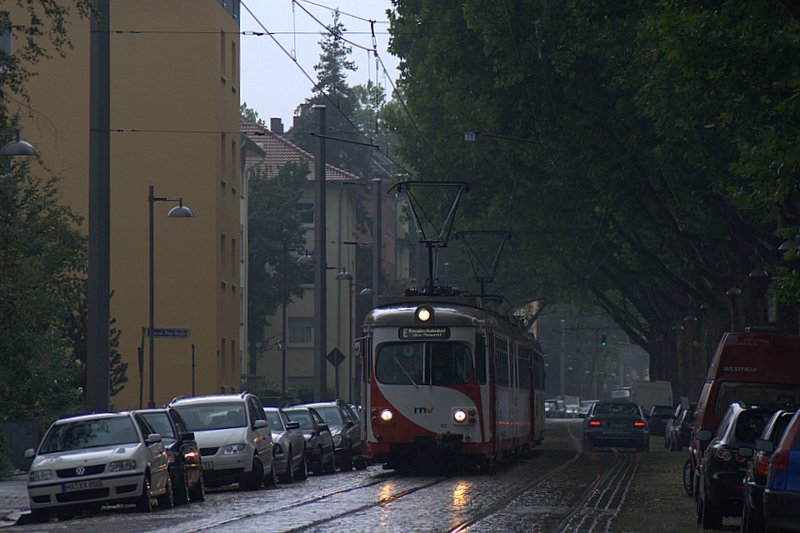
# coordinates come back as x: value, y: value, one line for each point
x: 17, y: 147
x: 344, y: 275
x: 179, y: 211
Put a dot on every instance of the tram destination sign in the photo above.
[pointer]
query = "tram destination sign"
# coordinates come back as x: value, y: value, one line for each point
x: 424, y: 333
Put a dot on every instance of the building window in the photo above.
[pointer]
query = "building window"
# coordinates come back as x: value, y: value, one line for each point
x: 234, y: 62
x: 233, y: 164
x: 222, y: 253
x: 234, y: 262
x: 300, y: 331
x: 222, y: 67
x: 5, y: 42
x: 305, y: 209
x: 223, y: 153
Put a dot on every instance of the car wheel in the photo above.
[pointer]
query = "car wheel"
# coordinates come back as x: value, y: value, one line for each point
x: 330, y: 466
x: 288, y: 474
x: 254, y: 479
x: 198, y: 492
x: 360, y: 463
x: 710, y: 515
x: 144, y: 503
x: 272, y: 477
x: 587, y: 445
x: 346, y: 464
x: 37, y: 516
x: 180, y: 486
x: 319, y: 466
x: 167, y: 500
x: 65, y: 513
x: 752, y: 520
x: 302, y: 472
x: 688, y: 478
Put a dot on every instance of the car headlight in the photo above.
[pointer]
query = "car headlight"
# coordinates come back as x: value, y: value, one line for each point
x: 41, y: 475
x: 276, y: 449
x: 233, y: 449
x: 337, y: 439
x: 124, y: 464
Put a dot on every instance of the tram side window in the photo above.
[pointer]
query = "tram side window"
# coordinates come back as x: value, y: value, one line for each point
x: 524, y: 367
x: 501, y: 347
x: 480, y: 358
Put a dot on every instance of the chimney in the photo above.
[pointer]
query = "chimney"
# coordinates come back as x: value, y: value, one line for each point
x: 276, y: 125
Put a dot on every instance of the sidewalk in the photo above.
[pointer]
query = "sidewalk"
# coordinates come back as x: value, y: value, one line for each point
x: 13, y: 499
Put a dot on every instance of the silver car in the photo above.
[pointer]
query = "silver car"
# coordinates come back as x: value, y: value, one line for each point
x: 289, y: 446
x: 86, y: 461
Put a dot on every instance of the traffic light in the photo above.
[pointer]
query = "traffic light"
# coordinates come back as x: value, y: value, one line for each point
x: 603, y: 341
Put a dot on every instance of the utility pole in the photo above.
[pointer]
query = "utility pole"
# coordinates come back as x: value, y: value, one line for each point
x: 98, y: 341
x: 320, y: 264
x: 563, y: 375
x: 377, y: 240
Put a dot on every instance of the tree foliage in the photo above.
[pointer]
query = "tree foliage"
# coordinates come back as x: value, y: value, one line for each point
x: 643, y: 152
x: 275, y: 235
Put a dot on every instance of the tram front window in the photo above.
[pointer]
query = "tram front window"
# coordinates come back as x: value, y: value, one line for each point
x: 424, y: 363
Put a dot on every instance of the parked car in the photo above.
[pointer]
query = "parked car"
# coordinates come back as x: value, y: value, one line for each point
x: 616, y: 422
x: 657, y: 418
x: 756, y: 474
x: 185, y: 468
x: 722, y: 467
x: 94, y: 459
x: 550, y: 408
x: 319, y: 441
x: 572, y: 410
x: 288, y: 446
x: 346, y: 431
x: 586, y: 405
x: 782, y: 491
x: 234, y: 438
x: 679, y: 429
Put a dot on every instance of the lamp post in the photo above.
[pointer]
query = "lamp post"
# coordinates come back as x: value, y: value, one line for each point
x: 344, y: 275
x: 17, y: 147
x: 179, y: 211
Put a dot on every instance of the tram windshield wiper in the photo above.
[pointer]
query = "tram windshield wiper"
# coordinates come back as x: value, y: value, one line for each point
x: 406, y: 372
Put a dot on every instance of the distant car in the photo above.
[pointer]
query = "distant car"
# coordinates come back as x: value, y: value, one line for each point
x: 679, y: 429
x: 319, y: 441
x: 782, y: 491
x: 95, y: 459
x: 572, y: 410
x: 550, y: 409
x: 234, y: 438
x: 757, y: 469
x: 345, y: 427
x: 722, y: 467
x: 616, y: 422
x: 657, y: 418
x: 289, y: 446
x: 585, y: 406
x: 185, y: 468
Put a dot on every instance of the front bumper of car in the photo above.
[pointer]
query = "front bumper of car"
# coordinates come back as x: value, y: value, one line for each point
x: 85, y: 489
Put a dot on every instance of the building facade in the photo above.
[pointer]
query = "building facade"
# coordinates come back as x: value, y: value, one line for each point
x: 174, y: 107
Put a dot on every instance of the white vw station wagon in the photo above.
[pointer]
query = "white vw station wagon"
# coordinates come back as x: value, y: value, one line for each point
x: 88, y: 460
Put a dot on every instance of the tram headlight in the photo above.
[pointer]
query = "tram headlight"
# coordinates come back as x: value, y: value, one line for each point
x: 424, y: 313
x: 459, y: 416
x: 386, y: 416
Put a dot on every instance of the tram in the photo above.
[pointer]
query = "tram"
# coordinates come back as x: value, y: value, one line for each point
x: 447, y: 379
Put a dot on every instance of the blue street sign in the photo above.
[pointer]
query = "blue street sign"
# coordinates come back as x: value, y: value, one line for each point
x: 170, y: 333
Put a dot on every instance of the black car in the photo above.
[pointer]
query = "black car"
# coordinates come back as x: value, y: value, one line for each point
x: 658, y: 417
x: 679, y: 429
x: 185, y: 467
x: 615, y: 423
x: 722, y: 467
x: 345, y: 427
x: 756, y: 475
x: 319, y: 441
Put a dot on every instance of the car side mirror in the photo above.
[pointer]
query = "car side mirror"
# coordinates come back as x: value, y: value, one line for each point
x: 349, y: 424
x: 30, y: 453
x: 323, y: 427
x: 764, y: 445
x: 704, y: 435
x: 153, y: 438
x: 187, y: 436
x: 745, y: 451
x: 293, y: 425
x: 258, y: 424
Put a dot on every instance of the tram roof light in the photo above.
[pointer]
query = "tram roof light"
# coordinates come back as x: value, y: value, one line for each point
x: 424, y: 313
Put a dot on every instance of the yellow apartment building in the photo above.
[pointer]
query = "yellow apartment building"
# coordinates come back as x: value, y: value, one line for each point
x: 174, y: 125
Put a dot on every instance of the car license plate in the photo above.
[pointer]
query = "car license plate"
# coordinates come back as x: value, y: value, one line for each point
x: 81, y: 485
x: 208, y: 465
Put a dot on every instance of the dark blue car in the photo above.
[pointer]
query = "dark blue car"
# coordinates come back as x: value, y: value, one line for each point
x: 782, y: 491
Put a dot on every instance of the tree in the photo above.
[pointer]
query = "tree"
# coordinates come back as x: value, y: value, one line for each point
x: 42, y: 261
x: 274, y: 224
x: 249, y: 115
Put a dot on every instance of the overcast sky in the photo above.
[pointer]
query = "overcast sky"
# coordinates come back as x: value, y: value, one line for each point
x: 272, y: 82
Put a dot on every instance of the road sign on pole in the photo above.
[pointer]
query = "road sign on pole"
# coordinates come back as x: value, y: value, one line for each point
x: 335, y: 357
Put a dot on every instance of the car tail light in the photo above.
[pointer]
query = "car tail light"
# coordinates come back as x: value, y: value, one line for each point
x: 762, y: 465
x: 594, y: 423
x: 638, y: 424
x: 723, y: 454
x: 780, y: 460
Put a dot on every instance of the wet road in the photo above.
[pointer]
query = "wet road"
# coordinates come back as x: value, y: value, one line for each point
x: 558, y: 488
